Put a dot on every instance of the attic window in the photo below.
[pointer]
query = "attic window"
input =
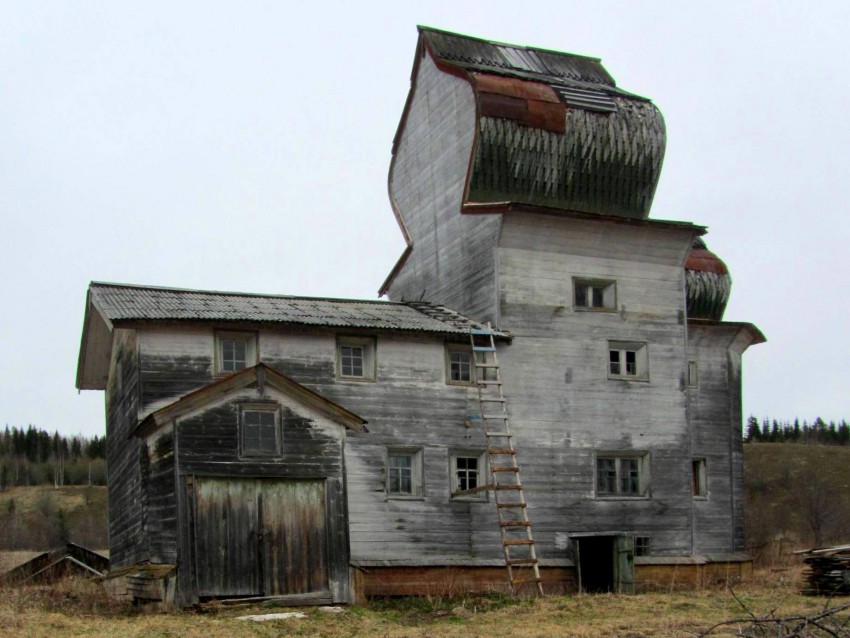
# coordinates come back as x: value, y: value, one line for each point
x: 356, y: 358
x: 260, y: 430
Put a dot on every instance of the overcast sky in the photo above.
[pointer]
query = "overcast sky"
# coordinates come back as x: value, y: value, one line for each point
x: 245, y: 146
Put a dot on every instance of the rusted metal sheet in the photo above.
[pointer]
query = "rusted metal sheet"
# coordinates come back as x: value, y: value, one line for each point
x: 260, y: 537
x: 494, y: 105
x: 513, y: 87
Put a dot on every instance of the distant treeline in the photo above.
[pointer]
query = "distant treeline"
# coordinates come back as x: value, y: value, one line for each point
x: 33, y: 456
x: 819, y: 432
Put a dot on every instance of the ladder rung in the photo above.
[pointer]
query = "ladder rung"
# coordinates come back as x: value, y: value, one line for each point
x: 526, y: 581
x: 481, y: 331
x: 483, y: 349
x: 504, y: 434
x: 505, y: 488
x: 519, y: 542
x: 474, y: 490
x: 515, y: 524
x: 495, y: 416
x: 501, y: 450
x: 504, y: 468
x: 511, y: 504
x: 486, y: 365
x: 488, y: 400
x: 522, y: 561
x: 488, y: 382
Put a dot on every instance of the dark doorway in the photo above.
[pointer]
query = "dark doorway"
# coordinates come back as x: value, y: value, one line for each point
x: 605, y: 563
x: 596, y: 564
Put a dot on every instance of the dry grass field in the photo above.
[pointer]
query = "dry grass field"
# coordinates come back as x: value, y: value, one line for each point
x: 79, y: 608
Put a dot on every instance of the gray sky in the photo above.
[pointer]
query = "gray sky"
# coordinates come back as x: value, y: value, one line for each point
x: 245, y: 146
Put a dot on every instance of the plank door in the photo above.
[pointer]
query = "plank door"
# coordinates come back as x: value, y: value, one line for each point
x: 295, y: 539
x: 227, y: 547
x: 260, y: 537
x: 624, y: 564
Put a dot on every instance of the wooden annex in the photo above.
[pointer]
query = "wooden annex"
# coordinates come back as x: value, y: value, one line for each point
x: 317, y: 450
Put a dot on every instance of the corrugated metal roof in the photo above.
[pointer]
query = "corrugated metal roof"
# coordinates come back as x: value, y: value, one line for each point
x: 122, y: 302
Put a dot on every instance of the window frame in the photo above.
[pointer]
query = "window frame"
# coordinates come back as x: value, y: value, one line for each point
x: 641, y: 359
x: 483, y: 475
x: 416, y: 491
x: 369, y: 363
x: 643, y: 545
x: 453, y: 348
x: 267, y: 408
x: 643, y: 477
x: 251, y: 350
x: 693, y: 373
x: 699, y: 479
x: 609, y: 294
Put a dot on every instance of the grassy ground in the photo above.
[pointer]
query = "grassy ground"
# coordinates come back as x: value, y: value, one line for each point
x: 78, y: 608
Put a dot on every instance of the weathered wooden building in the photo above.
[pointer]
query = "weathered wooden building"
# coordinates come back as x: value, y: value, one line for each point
x: 522, y: 180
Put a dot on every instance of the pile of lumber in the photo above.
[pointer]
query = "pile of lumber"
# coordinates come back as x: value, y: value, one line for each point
x: 827, y: 571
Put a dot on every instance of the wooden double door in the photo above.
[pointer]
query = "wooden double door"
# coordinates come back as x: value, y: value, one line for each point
x: 260, y: 537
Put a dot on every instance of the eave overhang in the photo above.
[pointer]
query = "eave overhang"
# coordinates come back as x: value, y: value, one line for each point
x: 259, y: 376
x: 745, y: 333
x: 95, y: 348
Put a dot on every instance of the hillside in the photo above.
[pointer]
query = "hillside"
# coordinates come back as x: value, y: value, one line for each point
x: 796, y: 496
x: 41, y: 517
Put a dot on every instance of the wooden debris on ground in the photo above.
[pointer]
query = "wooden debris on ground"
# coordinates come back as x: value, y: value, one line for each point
x: 827, y: 571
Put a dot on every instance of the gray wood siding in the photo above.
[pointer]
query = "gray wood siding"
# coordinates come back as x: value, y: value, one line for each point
x: 173, y: 361
x: 715, y: 412
x: 124, y: 454
x: 408, y: 406
x: 565, y: 409
x: 161, y: 499
x: 452, y: 259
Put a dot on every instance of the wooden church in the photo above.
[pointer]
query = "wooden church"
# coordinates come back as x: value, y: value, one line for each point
x: 548, y: 401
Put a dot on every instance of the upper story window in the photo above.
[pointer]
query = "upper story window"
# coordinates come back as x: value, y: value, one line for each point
x: 628, y: 360
x: 356, y: 358
x: 468, y: 473
x: 622, y: 474
x: 404, y: 473
x: 259, y: 430
x: 459, y: 364
x: 234, y: 351
x: 693, y: 374
x: 595, y: 294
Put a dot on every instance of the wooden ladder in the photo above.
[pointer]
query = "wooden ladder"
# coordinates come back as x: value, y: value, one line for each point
x: 514, y: 525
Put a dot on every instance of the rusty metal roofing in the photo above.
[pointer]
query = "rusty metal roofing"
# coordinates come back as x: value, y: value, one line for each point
x: 128, y: 303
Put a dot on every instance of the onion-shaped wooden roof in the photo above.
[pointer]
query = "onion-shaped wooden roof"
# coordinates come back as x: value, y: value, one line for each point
x: 708, y: 283
x: 554, y: 130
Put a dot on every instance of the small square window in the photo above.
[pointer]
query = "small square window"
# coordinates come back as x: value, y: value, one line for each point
x: 234, y: 351
x: 641, y: 545
x: 404, y: 473
x: 693, y: 374
x: 628, y: 360
x: 594, y: 294
x: 260, y: 431
x: 622, y: 475
x: 468, y: 472
x: 699, y: 486
x: 459, y: 365
x: 356, y: 358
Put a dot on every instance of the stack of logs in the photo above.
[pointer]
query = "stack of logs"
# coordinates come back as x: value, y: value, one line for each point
x: 828, y: 571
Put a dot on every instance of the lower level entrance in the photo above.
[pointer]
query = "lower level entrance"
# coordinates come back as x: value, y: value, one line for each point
x: 605, y: 563
x: 260, y: 537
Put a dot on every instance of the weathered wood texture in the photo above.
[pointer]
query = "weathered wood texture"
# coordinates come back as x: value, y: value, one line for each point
x: 123, y: 454
x: 427, y: 181
x: 261, y: 526
x: 565, y: 407
x: 715, y: 414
